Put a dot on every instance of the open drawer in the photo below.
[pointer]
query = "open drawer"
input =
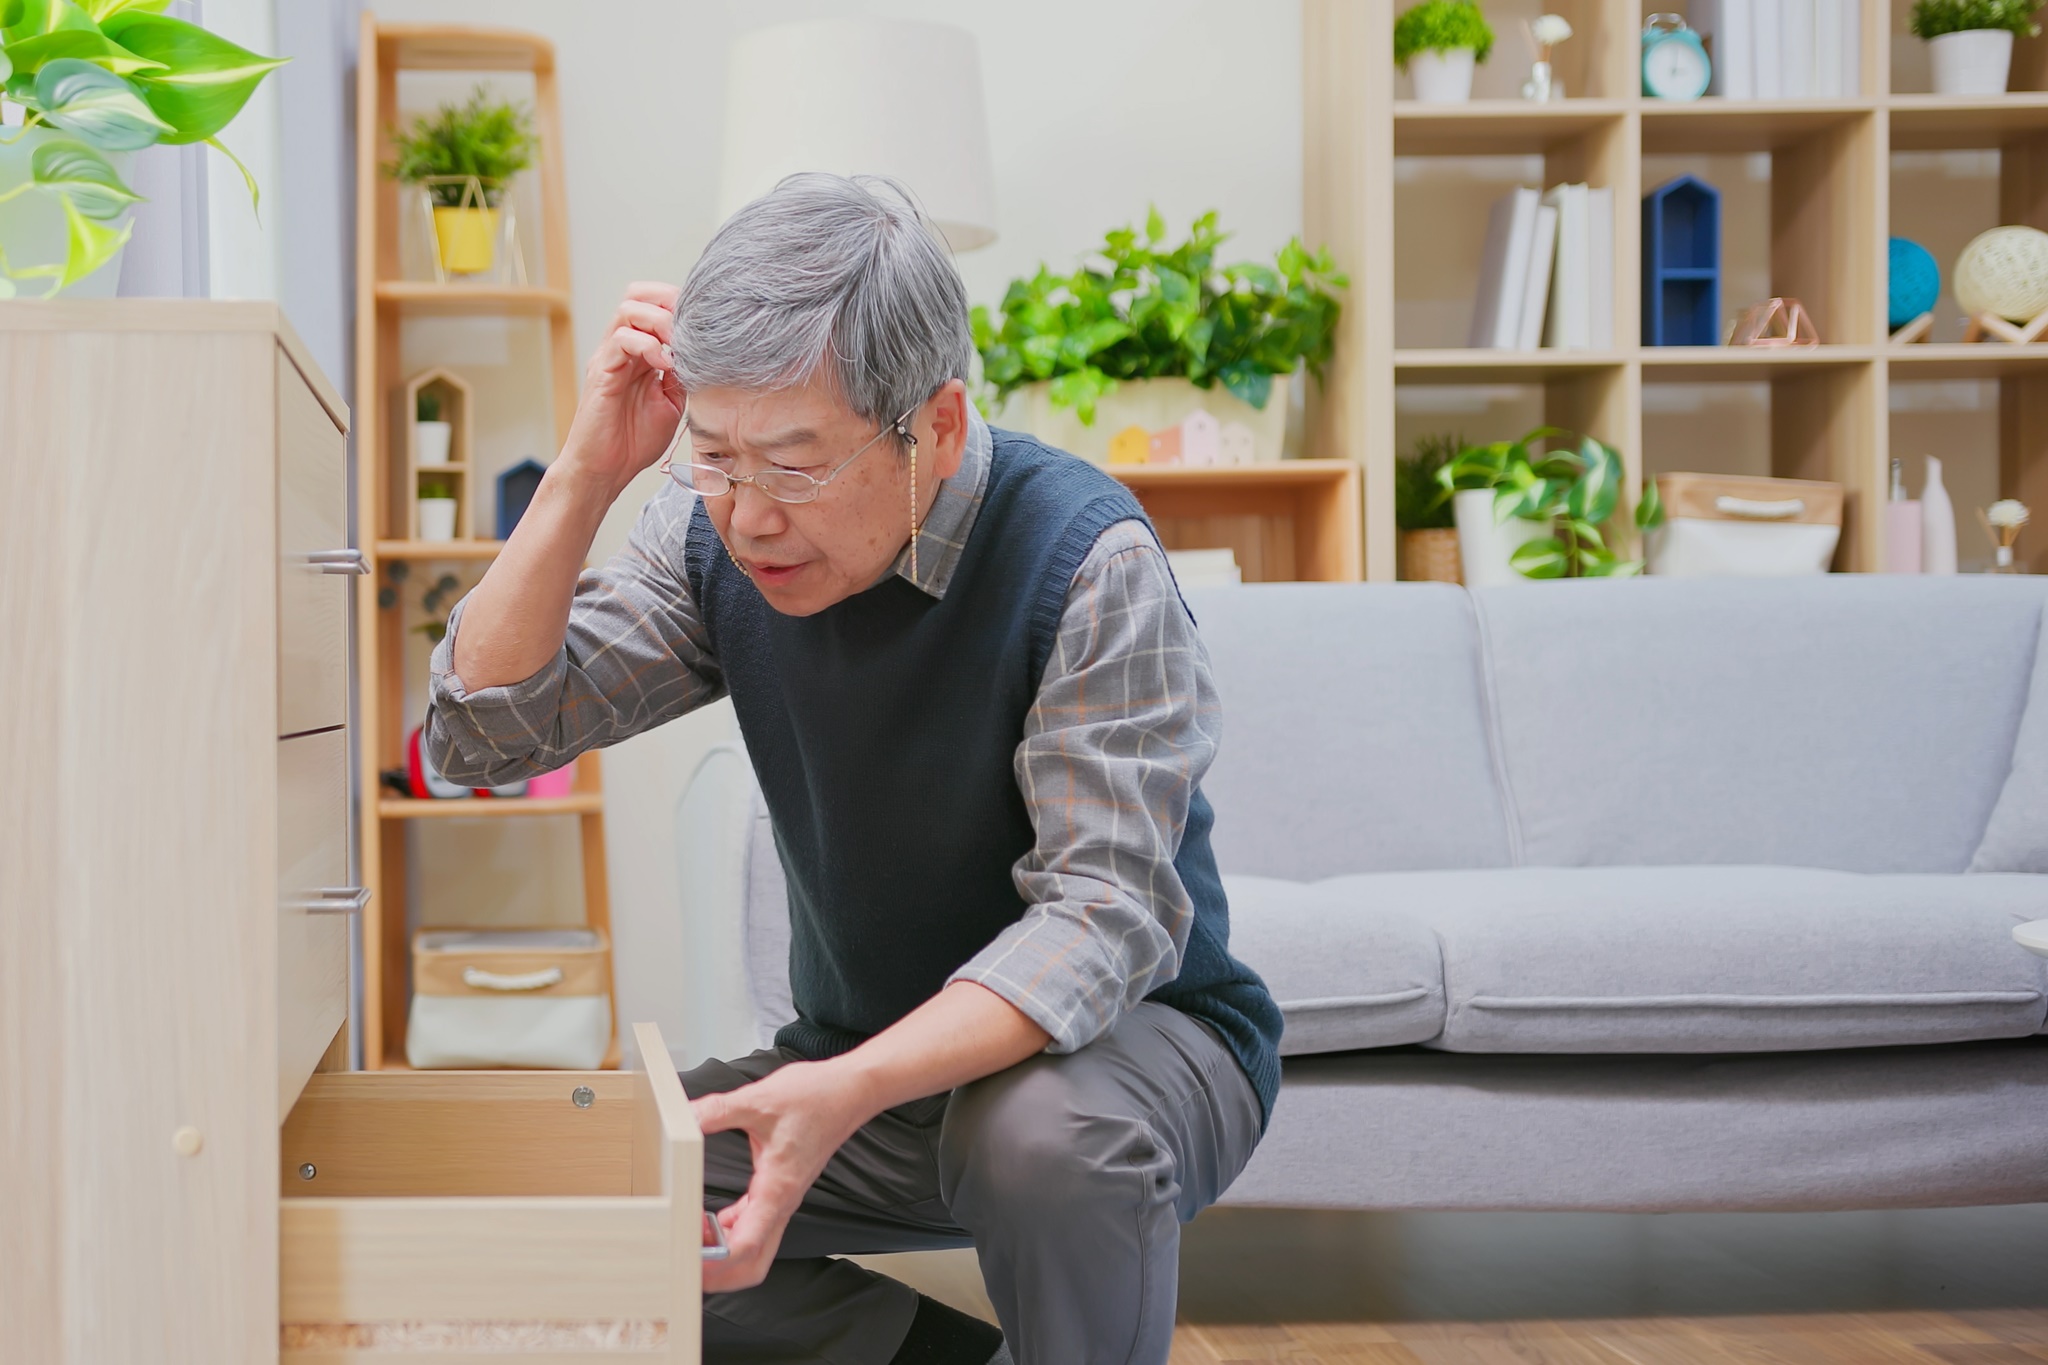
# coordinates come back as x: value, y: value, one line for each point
x: 458, y: 1216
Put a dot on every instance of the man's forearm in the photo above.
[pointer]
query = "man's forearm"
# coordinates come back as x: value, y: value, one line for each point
x: 516, y: 618
x: 961, y: 1034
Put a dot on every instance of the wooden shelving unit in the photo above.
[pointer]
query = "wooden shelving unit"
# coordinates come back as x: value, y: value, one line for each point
x: 383, y: 301
x: 1294, y: 520
x: 1830, y: 200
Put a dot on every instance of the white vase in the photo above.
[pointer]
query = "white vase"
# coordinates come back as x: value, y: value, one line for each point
x: 1442, y: 77
x: 437, y: 518
x: 1484, y: 546
x: 1937, y: 523
x: 1973, y: 62
x: 32, y: 226
x: 431, y: 441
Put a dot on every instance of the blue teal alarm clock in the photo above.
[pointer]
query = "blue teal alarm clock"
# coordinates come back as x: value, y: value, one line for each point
x: 1675, y: 65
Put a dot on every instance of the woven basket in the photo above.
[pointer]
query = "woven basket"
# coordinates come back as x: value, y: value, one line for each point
x: 1430, y: 557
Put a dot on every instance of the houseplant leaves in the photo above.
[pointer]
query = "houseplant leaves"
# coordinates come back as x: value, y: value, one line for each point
x: 94, y: 103
x: 202, y: 80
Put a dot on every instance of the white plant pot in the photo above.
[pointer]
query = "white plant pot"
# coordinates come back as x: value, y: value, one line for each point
x: 437, y: 518
x: 430, y: 441
x: 1973, y: 62
x: 1442, y: 77
x: 32, y: 226
x: 1483, y: 547
x: 1153, y: 404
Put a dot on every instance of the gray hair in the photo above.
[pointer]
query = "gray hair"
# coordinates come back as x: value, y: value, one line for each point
x: 826, y: 265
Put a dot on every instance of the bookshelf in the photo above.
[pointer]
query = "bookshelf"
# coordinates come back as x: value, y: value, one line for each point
x: 386, y: 302
x: 1838, y: 178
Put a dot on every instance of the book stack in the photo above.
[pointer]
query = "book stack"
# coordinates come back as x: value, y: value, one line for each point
x: 1547, y: 278
x: 1204, y: 568
x: 1782, y: 49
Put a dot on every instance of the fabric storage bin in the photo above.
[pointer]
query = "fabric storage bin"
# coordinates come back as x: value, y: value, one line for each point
x: 1735, y: 526
x: 509, y: 997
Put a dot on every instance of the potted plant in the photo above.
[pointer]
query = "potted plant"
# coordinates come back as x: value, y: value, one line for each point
x: 1527, y: 513
x: 1422, y: 511
x: 431, y: 435
x: 1438, y: 42
x: 96, y: 81
x: 461, y: 159
x: 437, y: 507
x: 1145, y: 332
x: 1969, y: 42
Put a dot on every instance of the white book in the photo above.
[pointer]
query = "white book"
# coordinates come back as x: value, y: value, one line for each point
x: 1600, y: 284
x: 1766, y: 49
x: 1851, y: 53
x: 1568, y: 324
x: 1504, y: 271
x: 1542, y: 259
x: 1727, y: 27
x: 1795, y: 49
x: 1828, y: 18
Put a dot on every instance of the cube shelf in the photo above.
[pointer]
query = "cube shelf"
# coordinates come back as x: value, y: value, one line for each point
x: 1399, y: 192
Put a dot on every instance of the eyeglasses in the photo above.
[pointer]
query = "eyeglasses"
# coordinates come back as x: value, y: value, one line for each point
x: 784, y: 485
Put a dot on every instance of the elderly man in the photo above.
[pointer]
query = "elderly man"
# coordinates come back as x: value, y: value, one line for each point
x: 980, y: 715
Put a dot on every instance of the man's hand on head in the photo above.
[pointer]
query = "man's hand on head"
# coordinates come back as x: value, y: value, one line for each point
x: 631, y: 403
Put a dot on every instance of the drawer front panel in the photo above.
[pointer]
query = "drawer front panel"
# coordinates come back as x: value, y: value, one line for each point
x: 312, y: 946
x: 312, y: 600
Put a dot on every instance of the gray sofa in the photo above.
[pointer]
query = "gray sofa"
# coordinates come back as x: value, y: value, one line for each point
x: 1642, y: 895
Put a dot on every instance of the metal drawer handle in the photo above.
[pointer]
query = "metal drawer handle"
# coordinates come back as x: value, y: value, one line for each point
x: 718, y: 1248
x: 339, y: 561
x: 333, y: 900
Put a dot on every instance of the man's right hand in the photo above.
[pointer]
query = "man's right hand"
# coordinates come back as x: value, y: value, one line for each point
x: 631, y: 402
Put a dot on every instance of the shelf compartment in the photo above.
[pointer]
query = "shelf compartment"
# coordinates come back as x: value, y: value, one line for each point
x: 423, y: 297
x: 1497, y: 127
x: 1716, y: 125
x: 1291, y: 520
x: 489, y: 808
x: 1935, y: 123
x: 1694, y: 364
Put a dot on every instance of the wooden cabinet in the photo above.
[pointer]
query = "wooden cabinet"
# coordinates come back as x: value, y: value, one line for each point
x: 175, y: 895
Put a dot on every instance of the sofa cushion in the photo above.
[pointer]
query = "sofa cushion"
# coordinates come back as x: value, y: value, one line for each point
x: 1345, y: 975
x: 1718, y: 959
x: 1354, y: 730
x: 2016, y: 840
x: 1856, y: 722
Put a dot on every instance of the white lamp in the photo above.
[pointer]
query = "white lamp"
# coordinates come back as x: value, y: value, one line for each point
x: 863, y: 96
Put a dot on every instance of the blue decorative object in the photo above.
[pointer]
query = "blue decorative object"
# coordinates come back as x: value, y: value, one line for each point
x: 1915, y: 283
x: 516, y: 487
x: 1682, y: 264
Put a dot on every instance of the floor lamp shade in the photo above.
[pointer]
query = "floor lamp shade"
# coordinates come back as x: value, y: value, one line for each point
x: 863, y: 96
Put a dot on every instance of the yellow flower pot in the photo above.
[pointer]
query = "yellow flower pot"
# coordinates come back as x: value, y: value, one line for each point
x: 467, y: 237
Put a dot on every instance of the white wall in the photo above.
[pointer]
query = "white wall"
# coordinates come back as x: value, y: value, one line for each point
x: 1095, y: 111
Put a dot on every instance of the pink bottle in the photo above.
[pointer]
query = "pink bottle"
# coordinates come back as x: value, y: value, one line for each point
x: 1902, y: 527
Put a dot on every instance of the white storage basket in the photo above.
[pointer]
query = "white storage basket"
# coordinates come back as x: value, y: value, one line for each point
x: 510, y: 997
x: 1733, y: 526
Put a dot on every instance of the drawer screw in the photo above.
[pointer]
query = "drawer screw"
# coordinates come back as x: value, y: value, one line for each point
x: 583, y: 1097
x: 307, y: 1172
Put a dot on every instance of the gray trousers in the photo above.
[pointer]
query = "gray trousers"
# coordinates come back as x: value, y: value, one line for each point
x: 1069, y: 1175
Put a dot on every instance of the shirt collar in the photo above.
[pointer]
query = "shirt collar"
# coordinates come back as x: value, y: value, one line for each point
x: 944, y: 534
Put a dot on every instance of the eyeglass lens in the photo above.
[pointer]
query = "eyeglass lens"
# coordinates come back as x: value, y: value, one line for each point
x: 783, y: 485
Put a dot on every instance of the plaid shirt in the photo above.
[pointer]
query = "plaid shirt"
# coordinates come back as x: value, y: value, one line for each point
x: 1124, y: 725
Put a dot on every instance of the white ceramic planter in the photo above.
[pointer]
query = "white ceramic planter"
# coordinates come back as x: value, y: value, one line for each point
x: 431, y: 441
x: 32, y: 227
x: 1153, y: 404
x: 1973, y: 62
x: 1483, y: 547
x: 1442, y: 77
x: 437, y: 518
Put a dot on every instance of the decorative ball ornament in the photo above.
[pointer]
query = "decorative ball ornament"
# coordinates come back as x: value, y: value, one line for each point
x: 1915, y: 282
x: 2004, y: 272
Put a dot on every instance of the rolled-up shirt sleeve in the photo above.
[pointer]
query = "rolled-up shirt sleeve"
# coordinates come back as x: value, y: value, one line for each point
x: 635, y: 655
x: 1124, y: 726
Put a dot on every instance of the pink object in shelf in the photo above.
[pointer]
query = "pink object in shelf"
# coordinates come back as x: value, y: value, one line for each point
x: 554, y: 784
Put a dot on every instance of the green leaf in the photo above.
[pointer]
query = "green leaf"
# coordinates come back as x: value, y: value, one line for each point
x: 71, y: 168
x: 6, y: 70
x: 1650, y: 511
x: 1544, y: 558
x: 205, y: 79
x: 88, y: 245
x: 1253, y: 386
x: 1614, y: 568
x: 1594, y: 496
x: 102, y: 10
x: 1587, y: 534
x: 255, y: 195
x: 93, y: 103
x: 1155, y: 225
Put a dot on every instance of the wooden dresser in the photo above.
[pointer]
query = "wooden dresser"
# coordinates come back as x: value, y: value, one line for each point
x: 177, y: 1185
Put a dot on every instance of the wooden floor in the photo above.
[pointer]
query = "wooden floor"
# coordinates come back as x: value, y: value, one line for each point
x: 1911, y: 1287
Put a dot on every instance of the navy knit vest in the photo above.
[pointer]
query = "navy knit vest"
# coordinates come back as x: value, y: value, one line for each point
x: 883, y: 730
